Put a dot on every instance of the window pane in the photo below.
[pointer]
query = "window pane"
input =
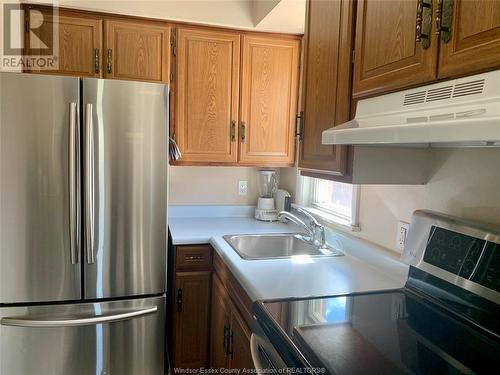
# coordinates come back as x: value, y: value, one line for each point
x: 334, y: 196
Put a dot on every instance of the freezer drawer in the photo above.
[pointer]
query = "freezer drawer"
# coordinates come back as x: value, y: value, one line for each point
x: 119, y: 337
x: 39, y: 183
x: 125, y: 187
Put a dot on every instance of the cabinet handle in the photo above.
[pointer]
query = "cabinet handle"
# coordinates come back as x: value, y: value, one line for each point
x: 446, y: 20
x: 225, y: 340
x: 193, y: 257
x: 424, y: 22
x: 96, y: 60
x: 233, y: 131
x: 438, y: 16
x: 229, y: 351
x: 109, y: 60
x: 179, y: 299
x: 242, y: 126
x: 420, y: 11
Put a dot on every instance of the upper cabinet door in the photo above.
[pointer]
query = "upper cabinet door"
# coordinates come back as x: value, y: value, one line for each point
x: 327, y: 82
x: 80, y: 41
x: 269, y: 85
x: 472, y: 43
x: 388, y: 55
x: 137, y: 51
x: 208, y: 64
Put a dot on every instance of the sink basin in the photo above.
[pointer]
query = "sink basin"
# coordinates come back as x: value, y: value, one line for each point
x: 274, y: 246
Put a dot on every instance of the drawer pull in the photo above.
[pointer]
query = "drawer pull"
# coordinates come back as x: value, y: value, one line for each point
x: 194, y: 257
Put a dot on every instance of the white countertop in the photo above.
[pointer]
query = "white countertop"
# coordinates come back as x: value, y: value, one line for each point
x: 286, y: 278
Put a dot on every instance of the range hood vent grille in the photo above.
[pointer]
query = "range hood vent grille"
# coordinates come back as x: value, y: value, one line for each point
x: 444, y: 92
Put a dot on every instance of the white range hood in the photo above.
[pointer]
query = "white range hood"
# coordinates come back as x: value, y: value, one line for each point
x: 463, y: 112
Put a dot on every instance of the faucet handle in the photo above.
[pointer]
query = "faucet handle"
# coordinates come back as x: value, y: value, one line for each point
x: 309, y: 216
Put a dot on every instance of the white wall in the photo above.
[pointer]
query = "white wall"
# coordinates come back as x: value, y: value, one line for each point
x: 466, y: 184
x: 231, y: 13
x: 211, y: 185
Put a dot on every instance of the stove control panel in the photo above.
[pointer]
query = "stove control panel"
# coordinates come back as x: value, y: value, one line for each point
x: 469, y: 257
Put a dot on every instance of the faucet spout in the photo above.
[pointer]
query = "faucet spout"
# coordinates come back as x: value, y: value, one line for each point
x: 297, y: 221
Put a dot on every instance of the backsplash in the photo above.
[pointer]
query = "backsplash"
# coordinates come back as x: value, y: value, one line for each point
x: 211, y: 185
x: 466, y: 184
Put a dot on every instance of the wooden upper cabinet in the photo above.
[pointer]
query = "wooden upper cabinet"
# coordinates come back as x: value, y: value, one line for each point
x: 191, y: 319
x: 80, y: 41
x: 475, y: 37
x: 326, y: 93
x: 387, y: 55
x: 208, y: 64
x: 137, y: 51
x: 268, y: 102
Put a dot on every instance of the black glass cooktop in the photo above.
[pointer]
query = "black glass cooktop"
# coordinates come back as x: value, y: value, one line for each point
x: 396, y: 332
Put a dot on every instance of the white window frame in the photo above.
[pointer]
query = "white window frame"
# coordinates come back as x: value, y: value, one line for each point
x: 306, y: 194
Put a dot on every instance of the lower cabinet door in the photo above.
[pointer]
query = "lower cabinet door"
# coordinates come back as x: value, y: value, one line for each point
x: 220, y: 325
x: 191, y: 315
x: 124, y: 337
x: 240, y: 356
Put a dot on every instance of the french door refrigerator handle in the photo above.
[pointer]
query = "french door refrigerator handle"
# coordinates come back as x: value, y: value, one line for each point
x: 73, y: 322
x: 89, y: 181
x: 74, y: 187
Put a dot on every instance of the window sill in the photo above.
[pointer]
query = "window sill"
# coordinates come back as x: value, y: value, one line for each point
x: 330, y: 220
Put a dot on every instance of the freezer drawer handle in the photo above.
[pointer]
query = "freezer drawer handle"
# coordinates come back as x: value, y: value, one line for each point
x: 27, y: 322
x: 74, y: 186
x: 89, y: 179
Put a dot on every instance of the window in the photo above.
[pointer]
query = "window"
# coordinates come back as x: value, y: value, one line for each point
x: 333, y: 201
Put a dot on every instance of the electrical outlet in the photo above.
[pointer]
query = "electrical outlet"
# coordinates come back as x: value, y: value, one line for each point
x: 403, y: 228
x: 242, y: 187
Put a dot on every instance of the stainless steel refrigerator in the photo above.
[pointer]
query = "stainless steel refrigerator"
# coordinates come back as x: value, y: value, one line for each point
x: 83, y: 225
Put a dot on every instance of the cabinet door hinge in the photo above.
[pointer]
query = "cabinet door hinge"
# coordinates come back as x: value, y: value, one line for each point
x: 27, y: 23
x: 298, y: 125
x: 353, y: 57
x: 171, y: 76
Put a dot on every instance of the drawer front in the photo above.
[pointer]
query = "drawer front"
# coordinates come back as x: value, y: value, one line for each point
x: 193, y: 257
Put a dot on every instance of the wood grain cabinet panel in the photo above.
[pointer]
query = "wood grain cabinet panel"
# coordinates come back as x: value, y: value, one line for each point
x: 137, y: 51
x: 240, y: 356
x: 220, y: 325
x: 387, y: 55
x: 191, y: 319
x: 80, y: 42
x: 268, y: 100
x: 475, y: 38
x: 326, y: 82
x: 208, y: 64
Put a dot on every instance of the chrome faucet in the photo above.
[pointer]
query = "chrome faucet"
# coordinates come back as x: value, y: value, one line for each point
x: 315, y: 230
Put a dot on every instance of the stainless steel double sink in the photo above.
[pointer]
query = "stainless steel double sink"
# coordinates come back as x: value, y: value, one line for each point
x: 276, y: 246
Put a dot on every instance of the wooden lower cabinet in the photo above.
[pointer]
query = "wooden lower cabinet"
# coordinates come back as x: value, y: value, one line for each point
x: 220, y: 324
x: 191, y: 319
x: 230, y: 335
x: 240, y: 356
x: 211, y: 312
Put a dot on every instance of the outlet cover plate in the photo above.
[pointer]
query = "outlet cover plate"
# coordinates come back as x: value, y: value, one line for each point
x: 402, y: 233
x: 242, y: 187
